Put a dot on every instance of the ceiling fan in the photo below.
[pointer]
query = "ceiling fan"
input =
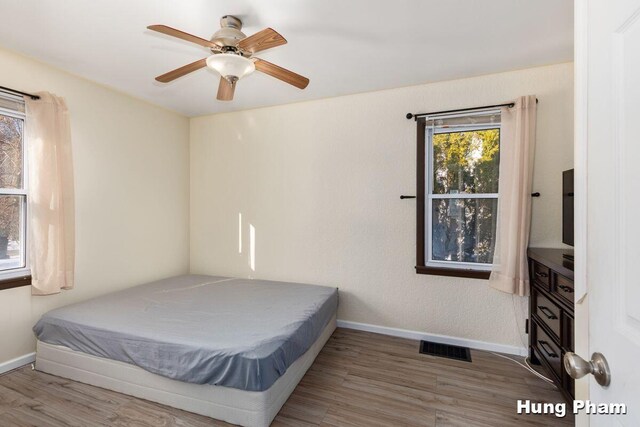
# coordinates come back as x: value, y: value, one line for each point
x: 232, y: 56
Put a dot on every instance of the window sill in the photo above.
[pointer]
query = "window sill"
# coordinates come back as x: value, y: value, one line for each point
x: 453, y: 272
x: 15, y: 282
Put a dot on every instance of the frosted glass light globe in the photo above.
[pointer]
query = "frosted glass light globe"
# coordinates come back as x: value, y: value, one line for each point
x: 231, y: 66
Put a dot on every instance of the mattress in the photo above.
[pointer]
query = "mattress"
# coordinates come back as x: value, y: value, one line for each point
x: 230, y: 332
x: 246, y: 408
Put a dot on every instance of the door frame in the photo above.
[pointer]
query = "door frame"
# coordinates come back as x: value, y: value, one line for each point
x: 581, y: 112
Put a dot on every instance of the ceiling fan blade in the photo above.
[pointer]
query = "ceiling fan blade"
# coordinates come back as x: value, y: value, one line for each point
x: 184, y: 36
x: 262, y: 40
x: 280, y: 73
x: 179, y: 72
x: 225, y: 90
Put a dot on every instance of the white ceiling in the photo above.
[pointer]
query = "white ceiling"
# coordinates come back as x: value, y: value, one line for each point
x: 343, y: 46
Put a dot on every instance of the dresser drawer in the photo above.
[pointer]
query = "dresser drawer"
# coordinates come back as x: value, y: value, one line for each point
x: 568, y: 383
x: 540, y: 274
x: 568, y: 340
x: 547, y: 350
x: 551, y: 314
x: 547, y: 311
x: 563, y: 288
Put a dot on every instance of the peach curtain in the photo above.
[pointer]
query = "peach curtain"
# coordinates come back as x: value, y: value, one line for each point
x: 51, y: 212
x: 510, y: 271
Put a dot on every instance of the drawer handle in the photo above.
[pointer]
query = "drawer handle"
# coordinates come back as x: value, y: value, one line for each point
x: 547, y: 312
x: 566, y: 288
x: 541, y: 274
x: 545, y: 346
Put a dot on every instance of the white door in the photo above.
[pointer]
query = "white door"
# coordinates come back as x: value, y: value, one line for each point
x: 611, y: 68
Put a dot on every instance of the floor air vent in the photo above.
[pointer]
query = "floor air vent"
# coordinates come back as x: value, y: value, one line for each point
x: 445, y: 350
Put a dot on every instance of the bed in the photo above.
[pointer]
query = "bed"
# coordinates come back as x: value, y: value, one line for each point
x: 232, y: 349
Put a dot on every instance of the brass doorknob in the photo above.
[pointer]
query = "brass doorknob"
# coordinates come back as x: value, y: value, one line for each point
x: 577, y: 367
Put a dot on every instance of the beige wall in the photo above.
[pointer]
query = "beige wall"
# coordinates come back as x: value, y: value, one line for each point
x: 319, y: 182
x: 132, y: 195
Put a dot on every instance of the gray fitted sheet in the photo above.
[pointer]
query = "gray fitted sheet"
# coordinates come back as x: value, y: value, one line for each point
x: 238, y: 333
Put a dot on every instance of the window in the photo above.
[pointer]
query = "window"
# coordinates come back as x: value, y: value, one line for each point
x: 13, y: 192
x: 458, y: 166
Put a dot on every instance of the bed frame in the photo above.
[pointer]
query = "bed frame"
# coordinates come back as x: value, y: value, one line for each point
x: 246, y: 408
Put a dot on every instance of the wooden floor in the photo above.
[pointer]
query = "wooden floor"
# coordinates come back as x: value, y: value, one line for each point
x: 359, y: 379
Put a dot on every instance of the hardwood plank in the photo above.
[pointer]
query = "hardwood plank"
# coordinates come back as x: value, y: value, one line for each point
x: 38, y: 414
x: 399, y: 375
x: 284, y: 421
x: 379, y: 404
x: 444, y: 367
x: 475, y: 418
x: 14, y: 381
x: 299, y: 410
x: 481, y: 391
x: 141, y: 413
x: 11, y: 399
x: 447, y: 419
x: 358, y: 379
x: 467, y: 418
x: 350, y: 416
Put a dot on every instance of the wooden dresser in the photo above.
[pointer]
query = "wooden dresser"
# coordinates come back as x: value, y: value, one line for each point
x: 551, y: 309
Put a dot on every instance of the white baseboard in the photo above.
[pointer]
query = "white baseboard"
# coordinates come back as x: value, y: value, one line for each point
x: 443, y: 339
x: 12, y: 364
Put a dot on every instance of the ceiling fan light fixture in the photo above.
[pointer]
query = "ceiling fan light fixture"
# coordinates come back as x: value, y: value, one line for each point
x: 231, y: 66
x: 232, y: 56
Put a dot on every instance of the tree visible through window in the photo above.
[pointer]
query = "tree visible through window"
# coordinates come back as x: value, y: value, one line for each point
x: 461, y: 172
x: 12, y: 186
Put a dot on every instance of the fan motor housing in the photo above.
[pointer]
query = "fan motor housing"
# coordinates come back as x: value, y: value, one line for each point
x: 229, y: 34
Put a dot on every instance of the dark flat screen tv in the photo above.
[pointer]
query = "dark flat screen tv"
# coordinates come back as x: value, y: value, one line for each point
x: 567, y: 207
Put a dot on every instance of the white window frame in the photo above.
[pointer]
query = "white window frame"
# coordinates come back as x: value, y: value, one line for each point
x: 430, y: 196
x: 24, y: 270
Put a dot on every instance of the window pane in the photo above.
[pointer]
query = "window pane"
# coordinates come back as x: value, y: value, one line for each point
x: 10, y: 152
x: 463, y: 230
x: 466, y: 162
x: 11, y: 238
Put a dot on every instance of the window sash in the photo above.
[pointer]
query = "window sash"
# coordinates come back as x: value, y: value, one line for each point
x: 453, y: 115
x: 430, y: 130
x: 13, y: 191
x: 429, y: 261
x: 12, y: 113
x: 438, y: 130
x: 21, y: 116
x: 13, y: 106
x: 24, y: 263
x: 464, y: 196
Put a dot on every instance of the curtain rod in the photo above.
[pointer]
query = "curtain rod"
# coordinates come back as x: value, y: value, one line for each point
x: 17, y: 92
x: 460, y: 110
